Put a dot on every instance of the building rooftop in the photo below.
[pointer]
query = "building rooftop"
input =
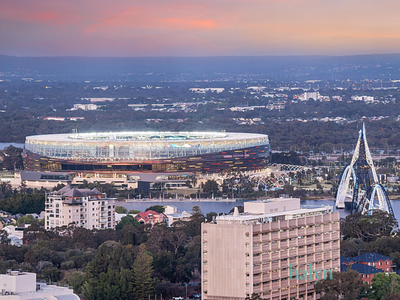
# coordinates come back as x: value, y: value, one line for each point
x: 360, y: 268
x: 274, y: 209
x: 371, y: 257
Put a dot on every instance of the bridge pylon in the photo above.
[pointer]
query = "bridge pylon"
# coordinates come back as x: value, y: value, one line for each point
x: 360, y: 183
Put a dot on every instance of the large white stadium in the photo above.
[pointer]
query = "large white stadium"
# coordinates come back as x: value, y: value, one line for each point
x: 200, y: 152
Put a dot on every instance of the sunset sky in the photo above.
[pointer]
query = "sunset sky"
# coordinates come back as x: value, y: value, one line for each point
x: 198, y: 27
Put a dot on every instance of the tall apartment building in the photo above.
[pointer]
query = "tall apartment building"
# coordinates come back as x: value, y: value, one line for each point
x: 83, y: 207
x: 274, y: 249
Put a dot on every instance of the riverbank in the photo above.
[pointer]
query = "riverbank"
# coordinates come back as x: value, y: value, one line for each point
x: 178, y: 200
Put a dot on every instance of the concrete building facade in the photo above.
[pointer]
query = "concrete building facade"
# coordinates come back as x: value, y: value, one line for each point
x: 85, y: 208
x: 274, y: 249
x: 16, y: 285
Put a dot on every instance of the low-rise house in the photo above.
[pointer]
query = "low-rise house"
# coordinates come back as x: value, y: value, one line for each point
x: 173, y: 214
x: 367, y: 264
x: 151, y: 217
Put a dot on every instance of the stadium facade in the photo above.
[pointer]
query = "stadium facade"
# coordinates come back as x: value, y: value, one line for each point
x: 146, y: 152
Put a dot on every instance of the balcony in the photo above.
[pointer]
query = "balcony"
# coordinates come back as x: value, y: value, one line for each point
x: 256, y: 269
x: 257, y: 228
x: 276, y: 285
x: 275, y: 246
x: 266, y: 248
x: 275, y: 226
x: 256, y: 279
x: 284, y: 254
x: 327, y: 247
x: 275, y: 294
x: 284, y: 235
x: 267, y: 277
x: 319, y: 229
x: 265, y: 227
x: 301, y: 222
x: 266, y: 238
x: 275, y: 256
x: 301, y: 260
x: 335, y: 217
x: 335, y: 235
x: 335, y: 254
x: 274, y: 236
x: 275, y: 266
x: 310, y: 230
x: 257, y: 289
x: 301, y: 242
x: 301, y: 231
x: 327, y: 266
x: 310, y: 221
x: 284, y: 224
x: 285, y: 273
x: 292, y: 252
x: 326, y: 237
x: 310, y: 240
x: 285, y: 264
x: 318, y: 248
x: 257, y: 249
x: 327, y: 218
x: 293, y: 234
x: 327, y: 256
x: 319, y: 219
x: 318, y: 238
x: 302, y: 251
x: 257, y: 259
x: 275, y: 275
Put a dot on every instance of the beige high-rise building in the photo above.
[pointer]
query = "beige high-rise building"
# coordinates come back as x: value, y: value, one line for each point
x: 83, y: 207
x: 274, y: 249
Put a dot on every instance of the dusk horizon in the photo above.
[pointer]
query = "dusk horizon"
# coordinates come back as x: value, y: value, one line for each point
x: 210, y: 28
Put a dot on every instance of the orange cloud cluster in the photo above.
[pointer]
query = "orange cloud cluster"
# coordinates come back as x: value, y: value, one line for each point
x: 177, y: 27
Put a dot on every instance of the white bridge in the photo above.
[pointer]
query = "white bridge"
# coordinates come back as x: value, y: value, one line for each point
x: 365, y: 193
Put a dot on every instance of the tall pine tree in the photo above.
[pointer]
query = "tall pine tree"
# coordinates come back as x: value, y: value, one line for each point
x: 143, y: 281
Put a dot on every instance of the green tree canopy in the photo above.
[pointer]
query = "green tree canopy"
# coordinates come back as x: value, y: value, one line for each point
x: 121, y: 210
x: 344, y: 285
x: 211, y: 186
x: 385, y: 286
x: 28, y: 219
x: 368, y: 227
x: 143, y: 282
x: 127, y: 220
x: 157, y: 208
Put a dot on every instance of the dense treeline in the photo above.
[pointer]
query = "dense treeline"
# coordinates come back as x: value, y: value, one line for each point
x: 23, y: 201
x: 130, y: 263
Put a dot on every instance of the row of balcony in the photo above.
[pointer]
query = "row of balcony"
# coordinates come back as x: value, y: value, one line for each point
x: 298, y: 222
x: 275, y: 290
x: 286, y: 253
x: 298, y: 261
x: 260, y: 248
x: 311, y: 232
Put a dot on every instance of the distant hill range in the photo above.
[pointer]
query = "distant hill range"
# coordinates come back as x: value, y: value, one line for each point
x: 385, y: 66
